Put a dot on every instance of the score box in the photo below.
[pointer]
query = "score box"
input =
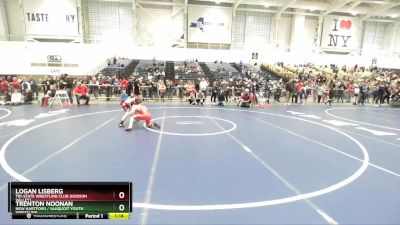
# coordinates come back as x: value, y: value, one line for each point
x: 69, y: 198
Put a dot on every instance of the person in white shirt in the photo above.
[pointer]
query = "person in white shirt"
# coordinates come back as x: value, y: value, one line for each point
x: 203, y: 86
x: 356, y: 93
x: 16, y: 98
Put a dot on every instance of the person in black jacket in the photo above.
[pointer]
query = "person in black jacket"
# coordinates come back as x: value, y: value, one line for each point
x: 289, y: 87
x: 214, y: 92
x: 221, y: 98
x: 341, y: 89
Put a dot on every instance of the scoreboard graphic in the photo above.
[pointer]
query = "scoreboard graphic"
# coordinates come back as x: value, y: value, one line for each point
x: 70, y: 200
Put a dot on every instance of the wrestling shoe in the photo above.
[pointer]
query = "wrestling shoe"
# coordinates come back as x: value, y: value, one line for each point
x: 121, y: 124
x: 156, y: 125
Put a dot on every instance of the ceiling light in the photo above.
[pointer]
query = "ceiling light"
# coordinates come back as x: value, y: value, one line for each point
x: 394, y: 16
x: 217, y: 2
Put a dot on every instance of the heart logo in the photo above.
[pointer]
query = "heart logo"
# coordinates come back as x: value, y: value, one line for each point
x: 345, y: 24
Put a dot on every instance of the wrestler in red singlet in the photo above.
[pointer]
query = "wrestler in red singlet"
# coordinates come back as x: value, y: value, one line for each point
x: 140, y: 112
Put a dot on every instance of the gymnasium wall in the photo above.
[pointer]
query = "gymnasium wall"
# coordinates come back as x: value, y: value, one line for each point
x: 15, y: 21
x: 396, y: 41
x: 284, y: 32
x: 32, y: 58
x: 160, y: 26
x: 84, y: 59
x: 108, y: 21
x: 3, y: 22
x: 116, y: 28
x: 252, y: 30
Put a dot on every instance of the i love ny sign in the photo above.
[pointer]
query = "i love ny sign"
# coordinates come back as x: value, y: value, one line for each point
x: 339, y: 33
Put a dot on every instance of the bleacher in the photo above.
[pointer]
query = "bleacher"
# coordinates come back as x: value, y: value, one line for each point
x: 252, y: 71
x: 118, y: 69
x: 222, y: 70
x: 192, y: 71
x: 236, y: 66
x: 177, y: 70
x: 207, y: 72
x: 146, y: 66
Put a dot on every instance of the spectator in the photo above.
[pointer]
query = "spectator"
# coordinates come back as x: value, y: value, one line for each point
x: 203, y: 86
x: 16, y: 97
x: 320, y: 92
x: 214, y: 92
x: 162, y: 90
x: 361, y: 97
x: 123, y: 97
x: 136, y: 88
x: 200, y: 98
x: 224, y: 87
x: 191, y: 98
x: 7, y: 98
x: 34, y: 88
x: 124, y: 84
x: 354, y: 99
x: 28, y: 97
x: 350, y: 91
x: 289, y: 87
x: 341, y: 87
x: 81, y: 92
x: 169, y: 85
x: 221, y: 98
x: 25, y: 85
x: 15, y: 84
x: 329, y: 91
x: 3, y: 86
x: 245, y: 99
x: 180, y: 88
x: 299, y: 89
x: 45, y: 99
x: 277, y: 93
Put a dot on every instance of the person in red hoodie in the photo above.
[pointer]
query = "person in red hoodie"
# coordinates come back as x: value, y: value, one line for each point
x: 299, y: 87
x: 350, y: 91
x: 3, y: 86
x: 124, y: 84
x: 15, y: 83
x: 81, y: 91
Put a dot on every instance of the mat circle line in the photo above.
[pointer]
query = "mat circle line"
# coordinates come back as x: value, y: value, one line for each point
x: 193, y: 134
x: 356, y: 121
x: 8, y: 113
x: 326, y: 190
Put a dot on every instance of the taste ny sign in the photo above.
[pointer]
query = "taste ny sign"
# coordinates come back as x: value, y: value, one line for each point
x: 51, y: 17
x: 339, y: 34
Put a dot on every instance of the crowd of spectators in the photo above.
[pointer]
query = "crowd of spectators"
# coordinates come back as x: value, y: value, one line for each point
x: 330, y: 83
x: 298, y: 84
x: 17, y: 90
